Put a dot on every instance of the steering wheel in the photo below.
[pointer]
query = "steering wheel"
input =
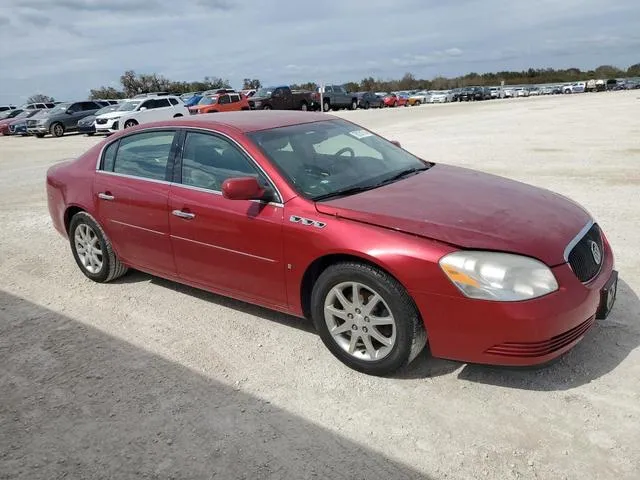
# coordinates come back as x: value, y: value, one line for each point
x: 344, y: 150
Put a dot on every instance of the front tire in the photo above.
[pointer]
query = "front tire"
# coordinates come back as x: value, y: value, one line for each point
x: 366, y: 318
x: 57, y: 129
x: 92, y: 250
x: 354, y: 105
x: 326, y: 106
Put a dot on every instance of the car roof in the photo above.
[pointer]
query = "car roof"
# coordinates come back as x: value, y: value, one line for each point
x: 250, y: 120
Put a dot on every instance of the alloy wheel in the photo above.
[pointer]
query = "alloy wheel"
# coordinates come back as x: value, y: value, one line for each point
x: 88, y: 248
x: 360, y: 321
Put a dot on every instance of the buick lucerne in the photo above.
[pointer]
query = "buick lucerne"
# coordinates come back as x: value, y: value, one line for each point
x: 318, y: 217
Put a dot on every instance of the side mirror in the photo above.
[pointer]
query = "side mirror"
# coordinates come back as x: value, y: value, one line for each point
x: 243, y: 188
x: 396, y: 143
x: 142, y: 109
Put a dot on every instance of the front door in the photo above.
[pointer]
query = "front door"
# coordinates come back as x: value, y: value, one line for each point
x: 131, y: 189
x: 231, y: 246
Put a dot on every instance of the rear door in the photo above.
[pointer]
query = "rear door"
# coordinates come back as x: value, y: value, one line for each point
x: 231, y: 246
x: 131, y: 188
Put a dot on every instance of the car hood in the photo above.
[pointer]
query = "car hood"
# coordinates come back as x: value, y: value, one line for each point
x: 472, y: 210
x: 113, y: 114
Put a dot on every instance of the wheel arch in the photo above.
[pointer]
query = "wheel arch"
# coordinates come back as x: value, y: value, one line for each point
x: 69, y: 213
x: 320, y: 264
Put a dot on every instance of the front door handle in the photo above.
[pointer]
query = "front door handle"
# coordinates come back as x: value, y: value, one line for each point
x: 106, y: 196
x: 183, y: 214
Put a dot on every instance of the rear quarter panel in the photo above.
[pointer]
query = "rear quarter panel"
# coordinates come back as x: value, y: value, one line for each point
x: 70, y: 184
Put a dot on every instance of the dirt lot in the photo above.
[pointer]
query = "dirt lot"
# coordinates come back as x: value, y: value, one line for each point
x: 144, y: 378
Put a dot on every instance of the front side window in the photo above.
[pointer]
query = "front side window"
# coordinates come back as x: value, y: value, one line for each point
x: 324, y: 159
x: 224, y: 99
x: 76, y: 107
x: 143, y: 155
x: 208, y: 160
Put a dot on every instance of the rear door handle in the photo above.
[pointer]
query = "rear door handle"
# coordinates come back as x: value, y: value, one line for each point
x: 106, y: 196
x: 183, y: 214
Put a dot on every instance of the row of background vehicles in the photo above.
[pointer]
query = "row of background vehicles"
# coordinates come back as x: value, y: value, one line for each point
x: 109, y: 116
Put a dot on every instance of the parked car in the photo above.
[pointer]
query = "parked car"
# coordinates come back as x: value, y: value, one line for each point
x: 18, y: 126
x: 9, y: 116
x: 63, y: 118
x: 88, y: 124
x: 221, y: 102
x: 38, y: 106
x: 395, y: 100
x: 336, y: 97
x: 152, y: 94
x: 509, y: 93
x: 282, y: 98
x: 372, y: 248
x: 444, y: 96
x: 4, y: 108
x: 368, y: 100
x: 547, y: 90
x: 419, y: 98
x: 495, y: 92
x: 139, y: 111
x: 576, y: 87
x: 534, y: 91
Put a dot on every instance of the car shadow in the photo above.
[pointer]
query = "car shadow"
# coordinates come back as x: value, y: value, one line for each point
x: 604, y: 347
x: 135, y: 276
x: 76, y: 402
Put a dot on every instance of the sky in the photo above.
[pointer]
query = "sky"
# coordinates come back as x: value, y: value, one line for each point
x: 63, y: 48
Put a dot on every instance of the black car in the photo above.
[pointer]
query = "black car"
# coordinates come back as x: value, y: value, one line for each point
x: 87, y: 124
x: 368, y: 100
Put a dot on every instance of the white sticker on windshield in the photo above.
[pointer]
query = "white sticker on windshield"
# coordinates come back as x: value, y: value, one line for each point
x: 360, y: 134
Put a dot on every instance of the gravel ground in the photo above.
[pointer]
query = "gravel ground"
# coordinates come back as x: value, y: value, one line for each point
x: 144, y: 378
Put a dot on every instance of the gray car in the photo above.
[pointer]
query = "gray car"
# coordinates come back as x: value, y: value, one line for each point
x: 64, y: 117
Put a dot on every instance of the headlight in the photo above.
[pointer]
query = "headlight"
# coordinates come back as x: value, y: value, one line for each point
x: 113, y: 118
x: 501, y: 277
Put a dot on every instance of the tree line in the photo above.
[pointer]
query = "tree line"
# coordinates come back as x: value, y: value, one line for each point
x: 133, y: 84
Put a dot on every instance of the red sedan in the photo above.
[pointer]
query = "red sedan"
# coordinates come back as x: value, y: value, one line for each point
x: 320, y: 218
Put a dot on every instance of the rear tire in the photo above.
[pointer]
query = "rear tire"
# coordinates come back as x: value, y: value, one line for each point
x: 395, y: 326
x: 354, y: 105
x: 267, y: 107
x: 304, y: 107
x: 130, y: 123
x: 326, y: 106
x: 92, y: 250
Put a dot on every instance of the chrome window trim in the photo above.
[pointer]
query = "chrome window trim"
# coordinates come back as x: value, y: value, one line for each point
x: 280, y: 203
x: 180, y: 185
x: 577, y: 239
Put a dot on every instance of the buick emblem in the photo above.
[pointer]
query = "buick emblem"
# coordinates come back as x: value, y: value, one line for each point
x: 595, y: 252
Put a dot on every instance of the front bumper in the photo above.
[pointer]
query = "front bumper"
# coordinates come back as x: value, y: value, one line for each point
x: 111, y: 126
x: 526, y: 333
x: 86, y: 128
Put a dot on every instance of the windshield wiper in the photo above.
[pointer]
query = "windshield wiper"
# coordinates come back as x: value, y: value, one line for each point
x: 402, y: 174
x: 344, y: 192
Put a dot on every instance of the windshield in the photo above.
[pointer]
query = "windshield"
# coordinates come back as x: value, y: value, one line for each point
x: 207, y: 100
x: 323, y: 159
x: 264, y: 92
x: 128, y: 106
x: 61, y: 107
x: 10, y: 113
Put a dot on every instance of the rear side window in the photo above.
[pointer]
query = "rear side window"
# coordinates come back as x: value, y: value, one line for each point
x: 161, y: 103
x: 143, y: 155
x: 173, y: 101
x: 109, y: 157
